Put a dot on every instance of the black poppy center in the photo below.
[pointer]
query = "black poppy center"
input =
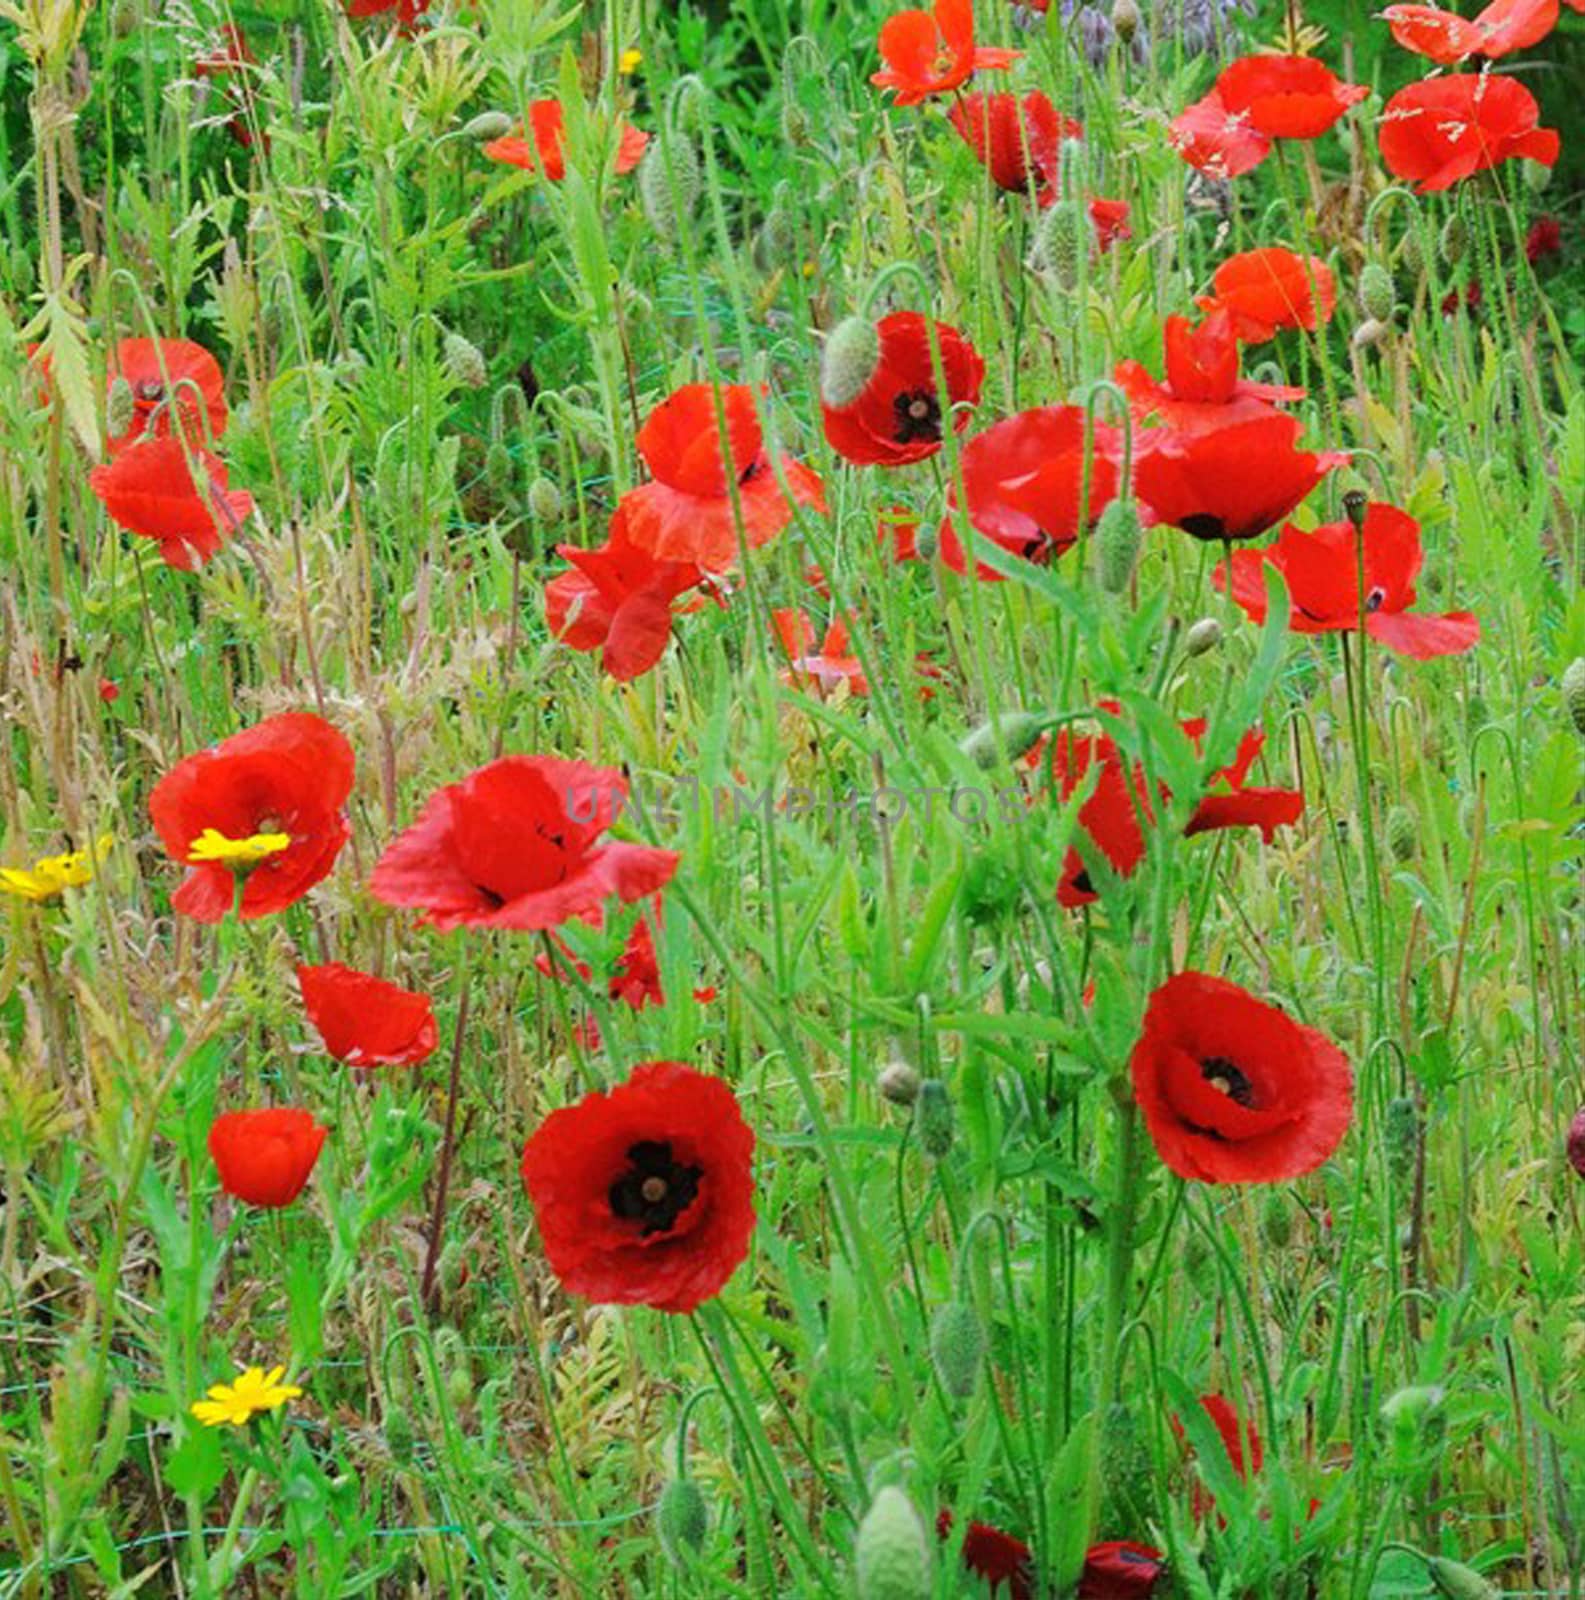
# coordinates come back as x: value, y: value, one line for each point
x: 1202, y: 525
x: 1221, y: 1074
x: 150, y: 390
x: 1376, y: 599
x: 917, y: 415
x: 656, y: 1188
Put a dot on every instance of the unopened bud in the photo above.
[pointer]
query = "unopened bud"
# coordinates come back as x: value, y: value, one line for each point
x: 1573, y: 686
x: 1402, y: 1137
x: 120, y: 408
x: 682, y: 1520
x: 934, y: 1119
x: 668, y: 192
x: 1457, y: 1581
x: 463, y: 362
x: 544, y: 501
x: 1125, y: 19
x: 1454, y: 241
x: 928, y: 540
x: 399, y: 1438
x: 1203, y: 637
x: 1370, y: 333
x: 957, y: 1347
x: 851, y: 355
x: 1117, y: 538
x: 1376, y: 296
x: 1006, y: 737
x: 488, y: 125
x: 1402, y: 835
x: 899, y: 1083
x: 892, y: 1556
x: 1061, y: 242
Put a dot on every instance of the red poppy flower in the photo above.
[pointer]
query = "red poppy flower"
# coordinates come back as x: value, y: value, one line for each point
x: 1001, y: 1560
x: 1545, y: 238
x: 933, y: 52
x: 516, y: 844
x: 169, y: 375
x: 150, y: 490
x: 1286, y: 97
x: 1467, y: 299
x: 1439, y: 131
x: 540, y: 150
x: 365, y: 1021
x: 1233, y: 1090
x: 1018, y: 140
x: 265, y: 805
x: 1447, y: 38
x: 897, y: 419
x: 824, y: 668
x: 636, y: 979
x: 264, y: 1157
x: 1025, y: 480
x: 1217, y: 141
x: 1109, y: 218
x: 617, y: 599
x: 1264, y: 290
x: 898, y: 530
x: 1228, y: 483
x: 1118, y: 1570
x: 231, y: 56
x: 685, y: 514
x: 407, y: 11
x: 645, y: 1195
x: 1322, y: 572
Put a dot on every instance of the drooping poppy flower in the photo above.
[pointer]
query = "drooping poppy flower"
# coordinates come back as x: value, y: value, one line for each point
x: 1003, y: 1562
x: 365, y: 1021
x: 617, y: 599
x: 265, y: 806
x: 1271, y: 288
x: 1322, y: 570
x: 1439, y: 131
x: 264, y: 1157
x: 1544, y: 238
x: 822, y: 668
x: 1119, y: 1570
x: 169, y: 376
x: 540, y: 148
x: 1286, y: 97
x: 1447, y: 38
x: 1233, y: 1090
x: 645, y: 1195
x: 517, y: 844
x: 150, y: 490
x: 1216, y: 141
x: 1228, y: 483
x: 899, y: 415
x: 1025, y: 482
x: 1017, y: 139
x: 686, y: 513
x: 933, y: 52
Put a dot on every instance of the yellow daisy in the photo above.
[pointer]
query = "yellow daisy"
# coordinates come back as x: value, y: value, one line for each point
x: 255, y: 1390
x: 49, y: 875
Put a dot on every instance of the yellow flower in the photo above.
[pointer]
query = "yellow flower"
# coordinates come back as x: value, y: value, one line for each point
x: 213, y: 845
x: 49, y: 875
x: 255, y: 1390
x: 629, y: 61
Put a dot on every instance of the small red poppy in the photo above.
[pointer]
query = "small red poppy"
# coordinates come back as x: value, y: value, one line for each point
x: 284, y: 779
x: 1216, y: 141
x: 1271, y: 288
x: 1439, y: 131
x: 617, y: 599
x: 1003, y: 1562
x: 645, y: 1195
x: 1025, y: 481
x: 1322, y: 570
x: 1017, y: 139
x: 898, y: 532
x: 1228, y: 483
x: 540, y: 149
x: 231, y: 57
x: 264, y: 1157
x: 516, y: 844
x: 1119, y: 1570
x: 823, y: 668
x: 686, y: 513
x: 898, y: 417
x: 169, y: 376
x: 1469, y: 299
x: 1109, y: 218
x: 1286, y: 97
x: 1544, y: 238
x: 407, y: 11
x: 150, y: 490
x: 636, y: 979
x: 1447, y: 38
x: 365, y: 1021
x: 933, y: 52
x: 1234, y: 1090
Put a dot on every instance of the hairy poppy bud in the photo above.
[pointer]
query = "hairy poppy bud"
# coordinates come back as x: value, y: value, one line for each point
x: 1454, y: 240
x: 682, y: 1520
x: 1574, y: 691
x: 1457, y: 1581
x: 488, y: 125
x: 1370, y: 333
x: 399, y: 1437
x: 775, y: 241
x: 459, y: 1386
x: 1276, y: 1220
x: 1402, y: 835
x: 463, y: 362
x: 893, y: 1554
x: 667, y: 194
x: 1376, y: 297
x: 544, y: 501
x: 1203, y: 637
x: 927, y: 541
x: 849, y: 361
x: 1010, y: 735
x: 1060, y: 244
x: 1402, y: 1136
x: 899, y: 1083
x: 1411, y: 252
x: 794, y: 123
x: 1576, y: 1142
x: 1117, y: 536
x: 120, y: 408
x: 499, y: 470
x: 1125, y: 19
x: 933, y: 1118
x: 957, y: 1347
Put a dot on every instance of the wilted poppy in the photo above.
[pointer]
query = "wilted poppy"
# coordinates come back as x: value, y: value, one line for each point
x: 365, y: 1021
x: 823, y: 667
x: 933, y: 52
x: 1025, y: 480
x: 1001, y: 1561
x: 1216, y: 141
x: 264, y: 1157
x: 899, y: 415
x: 686, y: 513
x: 166, y: 377
x: 1286, y: 97
x: 517, y: 844
x: 263, y: 807
x: 1234, y: 1090
x: 617, y: 599
x: 1439, y: 131
x: 1017, y: 139
x: 1271, y: 288
x: 150, y: 490
x: 540, y: 149
x: 1322, y: 570
x: 645, y: 1195
x: 1447, y: 38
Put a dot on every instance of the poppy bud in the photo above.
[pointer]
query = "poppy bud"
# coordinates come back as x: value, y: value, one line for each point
x: 1125, y: 19
x: 1203, y: 637
x: 1402, y: 836
x: 1376, y: 297
x: 1276, y: 1220
x: 1457, y: 1581
x: 459, y: 1386
x: 463, y: 362
x: 1060, y: 244
x: 1574, y: 691
x: 933, y: 1118
x: 498, y: 468
x: 1412, y: 253
x: 1370, y: 333
x: 544, y: 501
x: 1117, y: 536
x: 125, y: 16
x: 851, y: 357
x: 120, y: 408
x: 1576, y: 1142
x: 957, y: 1347
x: 682, y: 1520
x: 927, y: 541
x: 794, y: 123
x: 775, y: 241
x: 488, y: 125
x: 1402, y: 1136
x: 399, y: 1437
x: 1010, y: 735
x: 892, y: 1555
x: 899, y: 1083
x: 668, y: 194
x: 1454, y: 240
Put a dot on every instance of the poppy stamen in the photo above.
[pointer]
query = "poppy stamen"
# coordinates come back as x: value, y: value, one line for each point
x: 656, y: 1189
x: 918, y: 416
x: 1226, y: 1079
